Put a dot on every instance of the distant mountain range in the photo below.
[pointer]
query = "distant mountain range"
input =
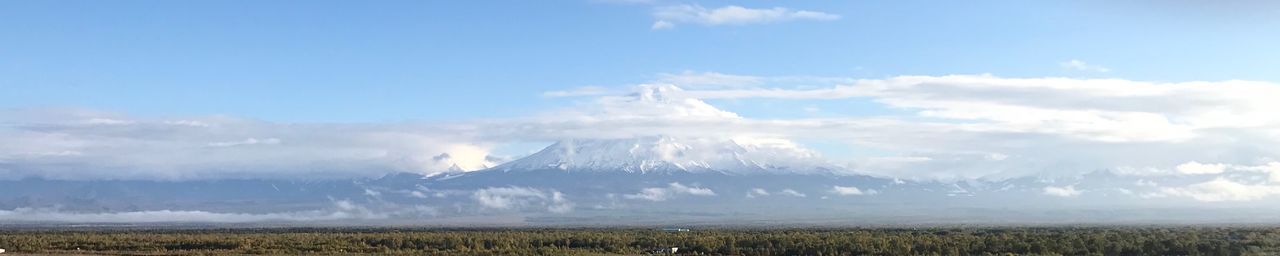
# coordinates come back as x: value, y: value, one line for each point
x: 636, y: 180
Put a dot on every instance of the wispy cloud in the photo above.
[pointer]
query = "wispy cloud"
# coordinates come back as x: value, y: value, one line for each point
x: 1220, y: 189
x: 760, y: 192
x: 667, y: 17
x: 1194, y: 167
x: 580, y: 91
x: 516, y: 198
x: 851, y: 191
x: 625, y: 1
x: 709, y: 80
x: 249, y: 141
x: 107, y: 121
x: 791, y: 192
x: 1217, y: 182
x: 672, y: 190
x: 341, y: 210
x: 60, y: 145
x: 1079, y: 65
x: 662, y: 24
x: 1067, y: 191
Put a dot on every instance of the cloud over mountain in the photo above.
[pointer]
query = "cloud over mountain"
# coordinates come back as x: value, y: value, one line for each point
x: 508, y: 198
x: 672, y: 190
x: 949, y: 127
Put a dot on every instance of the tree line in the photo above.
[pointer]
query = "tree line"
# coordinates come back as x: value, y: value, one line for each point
x: 927, y: 241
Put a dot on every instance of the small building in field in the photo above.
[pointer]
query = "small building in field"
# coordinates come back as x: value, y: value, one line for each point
x: 664, y: 250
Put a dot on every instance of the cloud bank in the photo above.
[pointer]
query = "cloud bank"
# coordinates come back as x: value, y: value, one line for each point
x: 933, y: 127
x: 1079, y: 65
x: 341, y: 210
x: 1067, y: 191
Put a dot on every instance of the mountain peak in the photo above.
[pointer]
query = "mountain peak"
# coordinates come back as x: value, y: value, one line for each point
x: 658, y: 101
x: 671, y: 154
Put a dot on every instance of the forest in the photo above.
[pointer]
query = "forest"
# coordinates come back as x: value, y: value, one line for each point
x: 644, y: 241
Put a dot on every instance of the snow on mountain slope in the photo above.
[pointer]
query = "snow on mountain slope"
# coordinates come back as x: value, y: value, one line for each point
x: 670, y: 154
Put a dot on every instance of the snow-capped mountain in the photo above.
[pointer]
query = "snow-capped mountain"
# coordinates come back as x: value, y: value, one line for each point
x: 664, y: 154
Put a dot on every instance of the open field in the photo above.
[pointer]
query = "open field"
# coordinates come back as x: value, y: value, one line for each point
x: 849, y: 241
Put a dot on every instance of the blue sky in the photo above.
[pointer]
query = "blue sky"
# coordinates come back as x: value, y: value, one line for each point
x: 337, y: 61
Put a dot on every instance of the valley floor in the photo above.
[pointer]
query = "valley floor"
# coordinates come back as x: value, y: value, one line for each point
x: 1063, y: 240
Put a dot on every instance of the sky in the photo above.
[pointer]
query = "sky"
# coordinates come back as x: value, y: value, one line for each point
x: 910, y: 89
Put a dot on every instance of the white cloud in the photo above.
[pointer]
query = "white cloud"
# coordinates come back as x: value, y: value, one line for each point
x: 504, y: 198
x: 997, y: 157
x: 1143, y: 171
x: 672, y: 190
x: 791, y: 192
x: 56, y: 145
x: 107, y: 121
x: 850, y: 191
x: 468, y: 157
x: 652, y: 102
x: 1077, y: 119
x: 1272, y: 170
x: 1067, y: 191
x: 760, y: 192
x: 417, y: 194
x: 249, y: 141
x: 580, y: 91
x: 341, y: 210
x: 1265, y: 181
x: 662, y: 24
x: 667, y: 16
x: 191, y: 123
x: 1005, y: 104
x: 812, y: 109
x: 515, y: 198
x: 625, y: 1
x: 1199, y: 168
x: 1079, y: 65
x: 559, y: 204
x: 709, y: 80
x: 42, y: 215
x: 1220, y: 189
